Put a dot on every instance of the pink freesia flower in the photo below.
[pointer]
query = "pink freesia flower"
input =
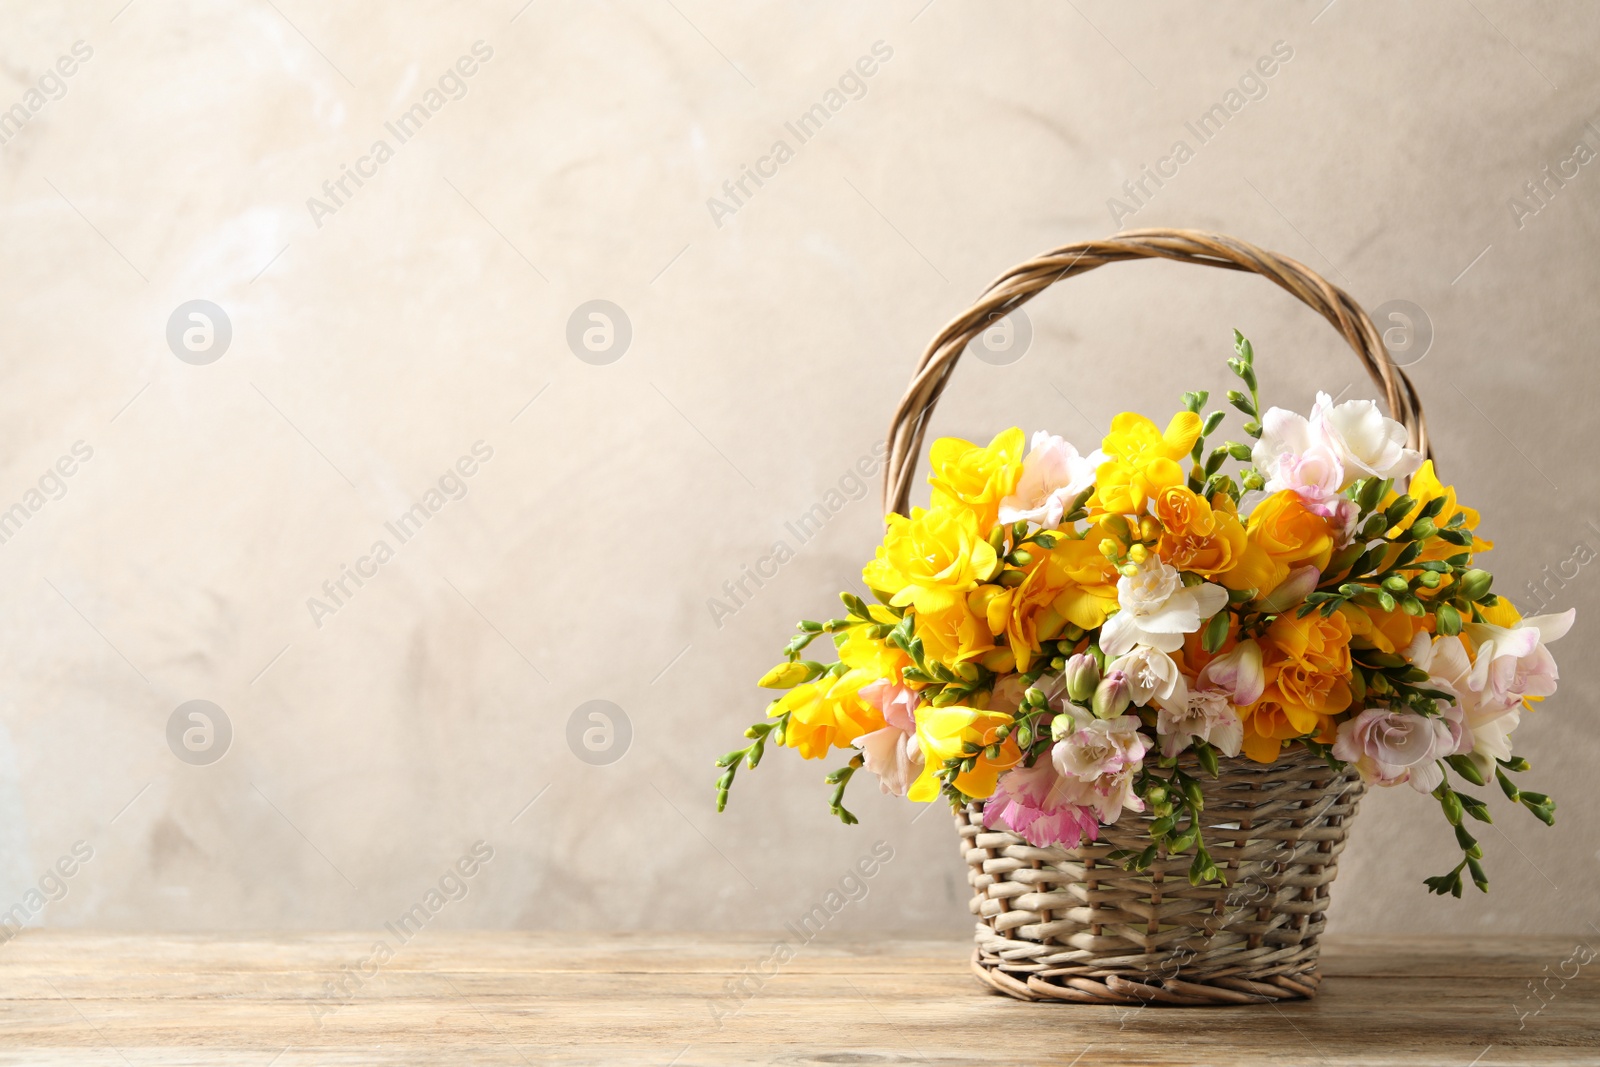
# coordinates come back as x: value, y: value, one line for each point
x: 1512, y: 663
x: 1487, y: 718
x: 892, y: 753
x: 1393, y: 745
x: 1104, y: 755
x: 1322, y: 456
x: 1100, y: 747
x: 894, y: 756
x: 1042, y: 807
x: 1295, y: 453
x: 1341, y: 513
x: 898, y: 703
x: 1238, y: 673
x: 1053, y: 474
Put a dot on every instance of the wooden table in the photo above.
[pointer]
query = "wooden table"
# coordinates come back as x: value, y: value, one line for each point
x: 518, y: 998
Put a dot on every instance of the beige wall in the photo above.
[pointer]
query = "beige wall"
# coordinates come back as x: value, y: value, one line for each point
x: 375, y: 345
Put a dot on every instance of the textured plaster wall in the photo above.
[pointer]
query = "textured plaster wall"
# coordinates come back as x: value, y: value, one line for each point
x: 416, y: 327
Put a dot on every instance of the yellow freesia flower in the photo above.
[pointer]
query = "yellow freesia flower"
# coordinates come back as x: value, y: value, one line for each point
x: 931, y: 560
x: 877, y: 659
x: 1028, y: 614
x: 954, y: 635
x: 1425, y: 486
x: 967, y: 477
x: 1090, y: 593
x: 944, y: 734
x: 827, y: 713
x: 1142, y: 461
x: 1282, y: 534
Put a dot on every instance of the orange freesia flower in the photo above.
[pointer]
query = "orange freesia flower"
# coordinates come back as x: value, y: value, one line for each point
x: 1206, y: 538
x: 1307, y: 664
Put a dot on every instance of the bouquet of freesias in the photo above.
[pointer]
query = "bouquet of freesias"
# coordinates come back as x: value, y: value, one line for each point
x: 1056, y: 631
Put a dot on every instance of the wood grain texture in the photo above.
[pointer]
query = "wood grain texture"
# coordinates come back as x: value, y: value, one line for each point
x: 517, y: 998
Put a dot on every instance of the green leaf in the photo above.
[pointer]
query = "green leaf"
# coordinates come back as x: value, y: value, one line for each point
x: 1216, y: 632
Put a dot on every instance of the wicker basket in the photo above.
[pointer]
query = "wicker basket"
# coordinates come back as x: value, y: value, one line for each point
x: 1072, y: 925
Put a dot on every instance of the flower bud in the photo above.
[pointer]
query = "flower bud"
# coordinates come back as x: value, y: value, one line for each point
x: 1112, y: 696
x: 1138, y: 553
x: 1109, y: 548
x: 1475, y: 583
x: 1082, y: 675
x: 1149, y: 528
x: 789, y: 675
x: 1422, y: 529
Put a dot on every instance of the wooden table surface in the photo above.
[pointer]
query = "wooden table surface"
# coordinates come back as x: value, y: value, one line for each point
x: 518, y: 998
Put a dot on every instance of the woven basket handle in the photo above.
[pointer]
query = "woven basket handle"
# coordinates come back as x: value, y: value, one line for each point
x: 1021, y: 283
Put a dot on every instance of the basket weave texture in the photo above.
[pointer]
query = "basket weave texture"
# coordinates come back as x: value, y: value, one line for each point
x: 1072, y: 925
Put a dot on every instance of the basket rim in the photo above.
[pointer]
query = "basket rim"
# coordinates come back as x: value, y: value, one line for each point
x: 1021, y: 283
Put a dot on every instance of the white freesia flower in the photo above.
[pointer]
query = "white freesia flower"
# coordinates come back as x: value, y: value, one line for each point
x: 1157, y: 609
x: 1366, y: 441
x: 1294, y: 453
x: 1207, y: 715
x: 1053, y: 474
x: 1151, y: 675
